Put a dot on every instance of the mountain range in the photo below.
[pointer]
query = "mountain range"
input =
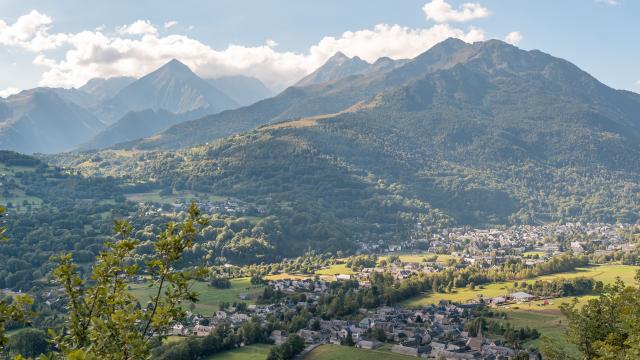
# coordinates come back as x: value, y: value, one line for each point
x: 126, y: 108
x: 478, y: 134
x: 40, y: 120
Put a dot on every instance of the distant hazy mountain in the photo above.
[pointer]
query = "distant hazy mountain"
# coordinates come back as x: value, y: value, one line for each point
x: 103, y: 89
x: 242, y: 89
x: 75, y: 96
x: 173, y: 87
x: 136, y: 125
x: 337, y: 94
x: 40, y: 120
x: 384, y: 64
x: 337, y: 67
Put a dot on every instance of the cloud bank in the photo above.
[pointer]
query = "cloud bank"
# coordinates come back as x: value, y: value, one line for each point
x: 440, y: 11
x: 138, y: 48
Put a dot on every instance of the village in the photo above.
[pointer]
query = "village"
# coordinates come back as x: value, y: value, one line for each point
x: 517, y: 241
x: 434, y: 332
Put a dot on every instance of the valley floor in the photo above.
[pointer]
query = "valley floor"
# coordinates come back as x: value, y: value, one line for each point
x: 546, y: 318
x: 210, y: 297
x: 337, y: 352
x: 251, y: 352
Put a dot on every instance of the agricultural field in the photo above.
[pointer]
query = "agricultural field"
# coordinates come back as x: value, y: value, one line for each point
x: 210, y: 297
x: 20, y: 200
x: 546, y: 318
x: 251, y: 352
x: 342, y: 269
x: 550, y: 323
x: 605, y: 273
x: 418, y: 257
x: 337, y: 352
x: 534, y: 253
x: 325, y: 274
x: 335, y: 270
x: 178, y: 196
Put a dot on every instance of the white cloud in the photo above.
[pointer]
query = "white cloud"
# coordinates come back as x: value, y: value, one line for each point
x: 170, y: 24
x: 139, y: 27
x: 8, y: 92
x: 609, y: 2
x: 30, y: 32
x: 138, y: 48
x: 514, y: 38
x: 442, y: 12
x: 271, y: 43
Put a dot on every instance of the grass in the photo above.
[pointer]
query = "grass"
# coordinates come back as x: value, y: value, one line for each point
x: 251, y: 352
x: 337, y: 352
x: 10, y: 333
x: 534, y: 253
x: 551, y: 325
x: 287, y: 276
x: 546, y: 318
x: 418, y: 257
x: 335, y: 270
x: 605, y: 273
x: 154, y: 196
x: 174, y: 339
x: 210, y: 297
x: 325, y: 274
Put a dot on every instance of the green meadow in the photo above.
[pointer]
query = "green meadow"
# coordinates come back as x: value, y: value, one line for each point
x: 337, y: 352
x: 210, y: 297
x: 251, y: 352
x: 605, y: 273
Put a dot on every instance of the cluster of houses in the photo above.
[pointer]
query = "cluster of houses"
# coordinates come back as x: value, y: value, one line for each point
x: 437, y: 331
x: 434, y: 332
x: 491, y: 245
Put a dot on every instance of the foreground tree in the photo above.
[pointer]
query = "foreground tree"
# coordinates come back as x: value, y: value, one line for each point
x: 15, y: 311
x: 104, y: 321
x: 30, y: 343
x: 607, y: 327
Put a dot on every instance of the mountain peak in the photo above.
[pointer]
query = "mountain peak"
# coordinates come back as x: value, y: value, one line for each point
x: 337, y: 67
x: 339, y: 56
x: 172, y: 87
x: 175, y: 65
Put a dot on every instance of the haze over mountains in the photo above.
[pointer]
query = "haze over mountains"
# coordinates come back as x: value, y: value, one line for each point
x: 40, y: 120
x: 484, y: 71
x: 124, y: 107
x: 465, y: 134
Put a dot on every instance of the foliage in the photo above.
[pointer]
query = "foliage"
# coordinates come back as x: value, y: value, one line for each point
x: 607, y: 327
x: 288, y: 350
x: 223, y: 338
x: 16, y: 310
x: 362, y: 261
x: 220, y: 282
x: 3, y: 228
x: 563, y: 287
x: 30, y: 342
x: 103, y: 320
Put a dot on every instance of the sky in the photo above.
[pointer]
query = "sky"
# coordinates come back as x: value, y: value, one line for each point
x: 65, y: 43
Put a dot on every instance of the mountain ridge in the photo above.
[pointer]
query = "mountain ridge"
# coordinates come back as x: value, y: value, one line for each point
x: 172, y: 87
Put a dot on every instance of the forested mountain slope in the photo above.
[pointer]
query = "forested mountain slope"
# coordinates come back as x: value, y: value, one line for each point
x: 489, y: 135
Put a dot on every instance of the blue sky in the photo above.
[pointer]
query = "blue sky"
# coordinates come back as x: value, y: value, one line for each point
x: 64, y: 43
